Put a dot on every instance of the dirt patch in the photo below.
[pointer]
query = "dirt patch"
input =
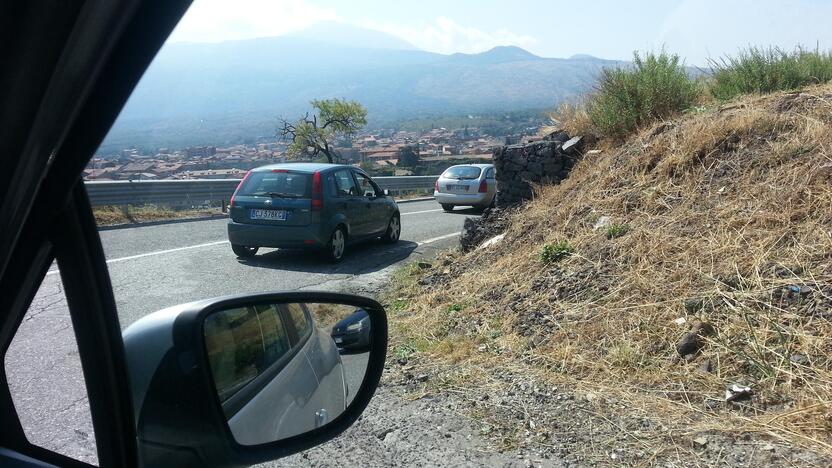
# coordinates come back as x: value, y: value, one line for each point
x: 475, y: 231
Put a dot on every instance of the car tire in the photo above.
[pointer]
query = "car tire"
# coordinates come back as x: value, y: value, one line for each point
x: 337, y: 245
x: 244, y: 251
x: 394, y: 230
x: 447, y: 207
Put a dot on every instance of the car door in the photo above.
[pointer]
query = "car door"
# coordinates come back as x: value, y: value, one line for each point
x: 491, y: 182
x: 329, y: 399
x: 349, y: 201
x: 377, y: 206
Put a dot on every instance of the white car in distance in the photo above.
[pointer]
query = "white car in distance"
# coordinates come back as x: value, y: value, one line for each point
x: 466, y: 185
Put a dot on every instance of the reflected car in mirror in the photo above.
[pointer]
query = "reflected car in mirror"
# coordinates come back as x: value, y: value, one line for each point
x: 353, y: 332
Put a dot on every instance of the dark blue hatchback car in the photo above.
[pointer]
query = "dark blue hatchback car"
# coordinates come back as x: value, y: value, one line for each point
x: 309, y: 205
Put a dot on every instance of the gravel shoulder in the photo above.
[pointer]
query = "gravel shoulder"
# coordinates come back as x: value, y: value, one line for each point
x: 397, y: 431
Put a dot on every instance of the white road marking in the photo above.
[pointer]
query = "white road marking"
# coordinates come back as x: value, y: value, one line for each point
x: 446, y: 236
x: 208, y: 244
x: 418, y: 212
x: 158, y: 252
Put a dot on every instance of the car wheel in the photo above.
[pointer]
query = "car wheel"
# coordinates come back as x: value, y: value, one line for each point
x: 394, y: 230
x: 243, y: 251
x: 447, y: 207
x: 337, y: 245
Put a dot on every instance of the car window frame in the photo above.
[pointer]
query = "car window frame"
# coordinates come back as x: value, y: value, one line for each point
x: 300, y: 340
x: 338, y: 193
x: 109, y: 46
x: 376, y: 189
x: 65, y: 229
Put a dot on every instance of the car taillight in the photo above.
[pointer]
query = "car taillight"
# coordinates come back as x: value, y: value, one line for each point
x: 436, y: 185
x: 483, y: 187
x: 317, y: 192
x: 231, y: 203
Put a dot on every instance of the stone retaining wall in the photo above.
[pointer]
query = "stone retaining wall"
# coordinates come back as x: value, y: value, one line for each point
x: 519, y: 167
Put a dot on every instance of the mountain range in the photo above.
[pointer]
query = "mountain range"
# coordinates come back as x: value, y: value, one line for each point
x: 234, y: 91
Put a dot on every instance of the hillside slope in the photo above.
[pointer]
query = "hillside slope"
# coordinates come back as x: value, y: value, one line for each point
x: 713, y: 233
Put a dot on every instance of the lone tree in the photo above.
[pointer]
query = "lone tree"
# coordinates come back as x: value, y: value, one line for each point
x: 313, y: 136
x: 408, y: 156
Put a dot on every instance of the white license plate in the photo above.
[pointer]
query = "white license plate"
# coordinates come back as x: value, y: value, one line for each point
x: 276, y: 215
x: 339, y: 340
x: 458, y: 188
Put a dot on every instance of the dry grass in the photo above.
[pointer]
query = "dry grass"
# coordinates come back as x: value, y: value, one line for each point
x: 112, y: 215
x: 725, y: 211
x: 573, y: 118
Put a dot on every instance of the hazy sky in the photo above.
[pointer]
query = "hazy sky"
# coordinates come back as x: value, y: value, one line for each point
x: 696, y: 29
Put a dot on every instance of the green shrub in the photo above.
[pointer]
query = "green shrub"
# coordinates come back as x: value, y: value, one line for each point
x: 656, y: 87
x: 617, y: 230
x: 556, y: 252
x: 757, y: 70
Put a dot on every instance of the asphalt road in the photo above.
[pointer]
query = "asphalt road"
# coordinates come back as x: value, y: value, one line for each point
x: 355, y: 367
x: 153, y: 267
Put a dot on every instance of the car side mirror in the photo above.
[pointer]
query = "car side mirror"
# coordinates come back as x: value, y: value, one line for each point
x: 247, y: 379
x: 386, y: 192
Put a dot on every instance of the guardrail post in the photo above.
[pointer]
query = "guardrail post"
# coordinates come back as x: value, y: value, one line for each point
x: 224, y: 206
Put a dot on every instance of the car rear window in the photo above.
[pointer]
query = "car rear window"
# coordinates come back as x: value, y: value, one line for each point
x: 277, y: 184
x: 298, y: 317
x: 462, y: 172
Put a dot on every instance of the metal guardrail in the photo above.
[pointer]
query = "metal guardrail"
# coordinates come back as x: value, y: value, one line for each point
x: 199, y: 192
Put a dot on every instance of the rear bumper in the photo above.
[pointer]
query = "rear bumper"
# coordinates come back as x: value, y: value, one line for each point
x: 259, y: 235
x: 462, y: 198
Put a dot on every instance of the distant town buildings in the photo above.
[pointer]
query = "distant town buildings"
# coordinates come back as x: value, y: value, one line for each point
x: 380, y: 148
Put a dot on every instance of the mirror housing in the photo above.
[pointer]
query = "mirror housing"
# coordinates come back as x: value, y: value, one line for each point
x: 179, y: 417
x: 386, y: 192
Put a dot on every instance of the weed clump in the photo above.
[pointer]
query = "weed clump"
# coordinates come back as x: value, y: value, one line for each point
x: 553, y: 253
x: 656, y: 87
x: 617, y: 230
x: 758, y: 71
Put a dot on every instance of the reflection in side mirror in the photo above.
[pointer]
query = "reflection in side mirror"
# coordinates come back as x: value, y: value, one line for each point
x: 246, y: 379
x: 281, y: 370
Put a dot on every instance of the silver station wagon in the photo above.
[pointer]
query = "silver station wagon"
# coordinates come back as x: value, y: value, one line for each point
x: 466, y: 185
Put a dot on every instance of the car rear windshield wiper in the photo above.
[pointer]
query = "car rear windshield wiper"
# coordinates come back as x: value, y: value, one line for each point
x: 275, y: 194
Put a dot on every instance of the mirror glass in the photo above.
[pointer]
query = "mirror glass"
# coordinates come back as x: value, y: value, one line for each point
x: 281, y: 370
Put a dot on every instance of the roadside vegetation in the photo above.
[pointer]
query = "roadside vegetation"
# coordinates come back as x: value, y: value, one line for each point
x: 113, y: 215
x: 659, y: 87
x: 626, y: 99
x: 756, y: 71
x: 715, y: 270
